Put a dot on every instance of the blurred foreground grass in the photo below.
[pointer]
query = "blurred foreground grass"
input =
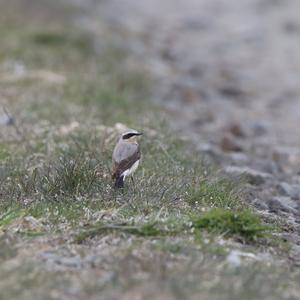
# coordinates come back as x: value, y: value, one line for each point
x: 65, y: 233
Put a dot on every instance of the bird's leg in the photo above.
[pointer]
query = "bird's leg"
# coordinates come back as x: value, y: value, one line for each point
x: 132, y: 179
x: 133, y: 183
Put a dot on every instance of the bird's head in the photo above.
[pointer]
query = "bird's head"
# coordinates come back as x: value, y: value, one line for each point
x: 130, y: 135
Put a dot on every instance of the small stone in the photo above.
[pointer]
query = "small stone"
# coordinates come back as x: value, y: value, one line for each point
x: 210, y: 153
x: 296, y: 249
x: 252, y: 176
x: 234, y: 258
x: 260, y: 128
x: 56, y: 259
x: 231, y: 91
x: 293, y: 238
x: 229, y: 144
x: 27, y: 223
x: 287, y: 155
x: 294, y: 159
x: 269, y: 166
x: 286, y: 189
x: 6, y: 120
x: 259, y: 204
x: 237, y: 130
x: 291, y: 27
x: 280, y: 156
x: 238, y: 158
x: 190, y: 96
x: 285, y: 204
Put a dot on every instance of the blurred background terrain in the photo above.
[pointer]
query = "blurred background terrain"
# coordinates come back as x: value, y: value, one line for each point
x: 220, y: 76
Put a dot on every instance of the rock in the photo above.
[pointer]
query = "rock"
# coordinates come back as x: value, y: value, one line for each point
x: 286, y: 189
x: 252, y: 176
x: 53, y: 258
x: 293, y: 238
x: 210, y: 152
x: 237, y: 130
x: 280, y: 156
x: 234, y: 258
x: 269, y: 166
x: 208, y: 117
x: 260, y: 128
x: 6, y: 120
x: 291, y: 27
x: 231, y: 91
x: 295, y: 159
x: 285, y: 204
x: 238, y: 158
x: 229, y: 144
x: 296, y: 249
x: 259, y: 204
x: 189, y: 96
x: 27, y: 224
x: 287, y: 156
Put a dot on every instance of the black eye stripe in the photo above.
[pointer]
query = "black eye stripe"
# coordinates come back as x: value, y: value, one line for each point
x: 128, y: 136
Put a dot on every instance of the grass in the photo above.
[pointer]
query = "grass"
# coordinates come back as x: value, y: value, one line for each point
x: 4, y: 153
x: 56, y: 194
x: 77, y: 174
x: 219, y: 192
x: 244, y: 223
x: 145, y: 230
x: 8, y: 217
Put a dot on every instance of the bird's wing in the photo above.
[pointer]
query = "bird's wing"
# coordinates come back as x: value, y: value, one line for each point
x: 124, y: 158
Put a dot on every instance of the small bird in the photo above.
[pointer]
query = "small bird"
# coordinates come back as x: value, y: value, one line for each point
x: 126, y: 157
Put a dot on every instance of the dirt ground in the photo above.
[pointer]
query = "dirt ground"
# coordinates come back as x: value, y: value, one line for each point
x: 224, y: 76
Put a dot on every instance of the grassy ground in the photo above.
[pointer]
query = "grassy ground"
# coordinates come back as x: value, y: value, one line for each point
x: 180, y: 231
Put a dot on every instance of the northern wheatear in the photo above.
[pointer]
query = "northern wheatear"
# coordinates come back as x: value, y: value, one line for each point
x: 126, y: 157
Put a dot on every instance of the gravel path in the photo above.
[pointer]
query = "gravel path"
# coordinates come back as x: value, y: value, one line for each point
x: 227, y: 73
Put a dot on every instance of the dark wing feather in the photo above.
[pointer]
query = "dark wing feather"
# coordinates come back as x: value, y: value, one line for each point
x: 125, y: 164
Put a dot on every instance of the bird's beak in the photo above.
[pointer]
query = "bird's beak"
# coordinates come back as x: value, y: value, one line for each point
x: 139, y: 133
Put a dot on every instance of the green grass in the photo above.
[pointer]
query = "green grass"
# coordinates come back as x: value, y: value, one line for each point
x: 219, y: 192
x: 144, y: 230
x: 62, y: 39
x: 244, y: 223
x: 9, y: 216
x: 4, y: 153
x: 161, y: 232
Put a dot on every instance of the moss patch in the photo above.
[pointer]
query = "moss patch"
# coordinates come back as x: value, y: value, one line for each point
x: 244, y: 223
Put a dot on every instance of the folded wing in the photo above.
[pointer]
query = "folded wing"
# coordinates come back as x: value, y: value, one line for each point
x: 124, y: 158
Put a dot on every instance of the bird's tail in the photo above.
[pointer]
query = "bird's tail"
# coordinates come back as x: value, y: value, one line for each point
x: 119, y: 183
